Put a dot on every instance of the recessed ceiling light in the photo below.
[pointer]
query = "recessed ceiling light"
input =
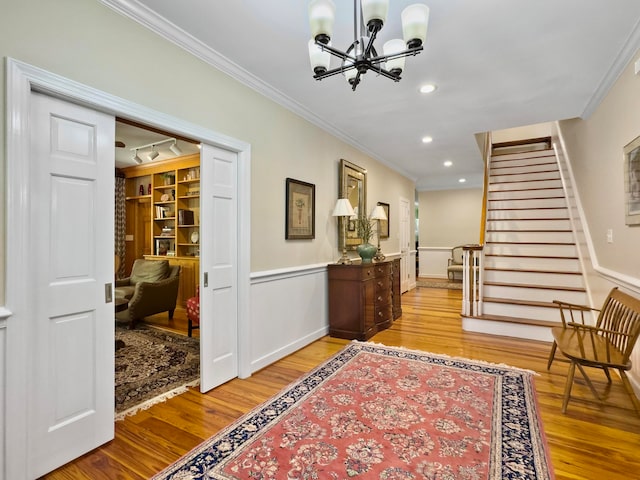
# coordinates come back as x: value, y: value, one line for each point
x: 448, y: 163
x: 462, y: 180
x: 427, y: 139
x: 428, y: 88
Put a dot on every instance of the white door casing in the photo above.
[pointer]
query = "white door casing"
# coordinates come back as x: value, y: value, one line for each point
x: 71, y: 379
x: 405, y: 247
x: 21, y: 80
x: 218, y: 267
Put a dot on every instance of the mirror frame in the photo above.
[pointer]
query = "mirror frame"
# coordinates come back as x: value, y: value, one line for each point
x: 348, y: 173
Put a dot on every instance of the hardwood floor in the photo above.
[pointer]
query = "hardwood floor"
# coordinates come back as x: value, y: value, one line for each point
x: 592, y: 441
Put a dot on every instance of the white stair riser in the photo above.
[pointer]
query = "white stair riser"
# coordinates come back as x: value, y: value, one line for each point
x: 531, y: 332
x: 524, y: 177
x: 550, y: 224
x: 527, y: 214
x: 534, y: 294
x: 532, y: 237
x: 538, y: 167
x: 535, y: 250
x: 555, y: 264
x: 521, y: 311
x: 523, y: 158
x: 501, y: 187
x: 534, y: 278
x: 532, y: 203
x: 543, y: 192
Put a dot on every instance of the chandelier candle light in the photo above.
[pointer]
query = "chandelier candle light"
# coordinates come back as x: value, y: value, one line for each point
x: 343, y: 209
x: 361, y: 56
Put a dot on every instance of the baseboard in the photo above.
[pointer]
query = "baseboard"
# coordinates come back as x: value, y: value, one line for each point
x: 288, y: 349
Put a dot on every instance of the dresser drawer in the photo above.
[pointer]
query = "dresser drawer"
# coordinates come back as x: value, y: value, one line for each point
x: 382, y: 269
x: 383, y: 315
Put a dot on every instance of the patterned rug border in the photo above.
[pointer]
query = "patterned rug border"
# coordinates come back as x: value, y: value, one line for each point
x: 299, y: 390
x: 439, y: 283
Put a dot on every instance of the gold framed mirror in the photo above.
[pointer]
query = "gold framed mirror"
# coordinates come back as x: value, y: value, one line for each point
x: 353, y: 185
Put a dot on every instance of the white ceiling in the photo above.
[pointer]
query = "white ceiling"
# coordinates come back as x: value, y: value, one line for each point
x: 497, y: 64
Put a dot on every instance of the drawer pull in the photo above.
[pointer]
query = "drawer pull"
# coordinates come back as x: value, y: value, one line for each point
x: 379, y: 298
x: 379, y: 314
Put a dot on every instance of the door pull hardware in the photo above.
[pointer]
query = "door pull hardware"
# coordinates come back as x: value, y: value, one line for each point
x: 206, y: 279
x: 108, y: 293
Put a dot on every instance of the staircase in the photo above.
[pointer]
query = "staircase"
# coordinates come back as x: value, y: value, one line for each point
x: 530, y: 253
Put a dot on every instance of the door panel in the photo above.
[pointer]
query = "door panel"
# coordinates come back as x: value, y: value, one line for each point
x: 405, y: 234
x: 71, y: 394
x: 219, y: 240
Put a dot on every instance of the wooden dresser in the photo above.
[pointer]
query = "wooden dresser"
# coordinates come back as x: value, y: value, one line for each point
x: 363, y: 299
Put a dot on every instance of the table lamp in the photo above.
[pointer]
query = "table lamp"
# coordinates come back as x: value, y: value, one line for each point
x: 378, y: 214
x: 343, y: 209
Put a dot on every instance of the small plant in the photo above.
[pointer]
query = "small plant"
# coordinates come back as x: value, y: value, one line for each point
x: 364, y: 228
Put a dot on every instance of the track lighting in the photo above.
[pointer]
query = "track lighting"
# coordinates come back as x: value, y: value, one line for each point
x: 175, y: 148
x: 153, y: 154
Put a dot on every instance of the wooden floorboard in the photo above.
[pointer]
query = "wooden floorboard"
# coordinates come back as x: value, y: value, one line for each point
x: 590, y: 441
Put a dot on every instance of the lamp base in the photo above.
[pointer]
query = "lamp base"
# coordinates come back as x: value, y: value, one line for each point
x: 379, y: 256
x: 344, y: 259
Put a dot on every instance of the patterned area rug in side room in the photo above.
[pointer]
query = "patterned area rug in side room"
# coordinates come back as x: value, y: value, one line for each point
x: 152, y: 366
x: 435, y: 283
x: 377, y: 412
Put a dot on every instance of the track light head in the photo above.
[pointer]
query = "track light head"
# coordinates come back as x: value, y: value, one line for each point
x: 136, y: 158
x: 175, y: 149
x: 153, y: 154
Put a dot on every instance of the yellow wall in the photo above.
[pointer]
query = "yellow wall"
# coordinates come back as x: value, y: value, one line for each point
x: 595, y: 148
x: 449, y: 217
x: 87, y: 42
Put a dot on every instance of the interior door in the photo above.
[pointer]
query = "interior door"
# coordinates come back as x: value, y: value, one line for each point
x: 405, y: 235
x: 218, y: 267
x: 71, y: 363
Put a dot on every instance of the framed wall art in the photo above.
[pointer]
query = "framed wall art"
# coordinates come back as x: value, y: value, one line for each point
x: 632, y: 182
x: 384, y: 224
x: 300, y: 222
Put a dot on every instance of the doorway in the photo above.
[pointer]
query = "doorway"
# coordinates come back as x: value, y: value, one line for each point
x: 23, y: 79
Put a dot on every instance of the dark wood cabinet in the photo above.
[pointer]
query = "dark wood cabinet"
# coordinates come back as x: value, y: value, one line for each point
x: 362, y: 299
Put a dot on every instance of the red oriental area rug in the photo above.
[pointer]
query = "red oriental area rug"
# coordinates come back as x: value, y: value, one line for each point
x: 385, y: 413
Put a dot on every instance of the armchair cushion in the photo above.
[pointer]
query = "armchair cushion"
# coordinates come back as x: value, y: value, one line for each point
x: 148, y: 271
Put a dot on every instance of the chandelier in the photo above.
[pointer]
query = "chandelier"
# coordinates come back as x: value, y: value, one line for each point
x: 361, y: 56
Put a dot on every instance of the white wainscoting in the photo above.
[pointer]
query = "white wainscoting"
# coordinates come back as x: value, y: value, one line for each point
x: 4, y: 315
x: 289, y: 309
x: 433, y: 261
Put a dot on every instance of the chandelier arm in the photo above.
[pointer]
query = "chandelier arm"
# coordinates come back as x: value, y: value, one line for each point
x: 372, y: 38
x: 336, y: 52
x: 409, y: 52
x: 385, y: 73
x: 332, y: 72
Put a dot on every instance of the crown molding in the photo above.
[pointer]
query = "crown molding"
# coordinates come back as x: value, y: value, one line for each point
x: 621, y: 61
x: 149, y: 19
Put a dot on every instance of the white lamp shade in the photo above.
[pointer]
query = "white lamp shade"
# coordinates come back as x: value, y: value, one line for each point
x: 343, y: 208
x: 378, y: 213
x: 153, y: 154
x: 414, y: 22
x: 350, y: 74
x: 318, y: 57
x: 394, y: 46
x: 374, y: 10
x: 322, y: 14
x: 175, y: 149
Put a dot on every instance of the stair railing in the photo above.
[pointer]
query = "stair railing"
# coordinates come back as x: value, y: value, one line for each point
x: 472, y: 280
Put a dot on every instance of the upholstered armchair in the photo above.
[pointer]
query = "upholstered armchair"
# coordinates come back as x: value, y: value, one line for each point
x: 454, y: 264
x: 152, y: 288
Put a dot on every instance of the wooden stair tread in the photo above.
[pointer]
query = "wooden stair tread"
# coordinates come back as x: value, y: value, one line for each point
x: 524, y: 270
x: 529, y: 230
x: 520, y: 321
x: 522, y: 166
x: 530, y: 243
x: 561, y: 288
x: 523, y: 189
x: 556, y: 197
x: 521, y: 173
x: 524, y: 303
x: 526, y: 181
x: 502, y: 209
x: 521, y: 218
x: 512, y: 255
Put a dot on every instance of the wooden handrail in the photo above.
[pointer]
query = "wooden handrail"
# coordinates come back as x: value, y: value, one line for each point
x: 486, y: 156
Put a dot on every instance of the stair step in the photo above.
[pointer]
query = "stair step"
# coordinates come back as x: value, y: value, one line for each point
x: 549, y: 237
x: 534, y: 184
x: 565, y: 264
x: 520, y: 321
x: 533, y: 224
x: 526, y: 270
x: 528, y: 214
x: 522, y: 157
x: 523, y: 178
x: 541, y: 287
x: 544, y: 162
x: 526, y: 203
x: 522, y: 192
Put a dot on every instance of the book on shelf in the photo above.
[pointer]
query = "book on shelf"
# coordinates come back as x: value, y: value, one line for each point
x: 185, y: 217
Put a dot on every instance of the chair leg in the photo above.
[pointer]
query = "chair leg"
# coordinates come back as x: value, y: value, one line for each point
x: 567, y: 388
x: 189, y: 328
x: 630, y: 391
x: 171, y: 314
x: 588, y: 380
x: 606, y: 372
x: 552, y: 354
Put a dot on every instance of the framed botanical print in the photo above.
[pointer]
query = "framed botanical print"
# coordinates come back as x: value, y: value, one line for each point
x: 300, y: 221
x: 632, y: 182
